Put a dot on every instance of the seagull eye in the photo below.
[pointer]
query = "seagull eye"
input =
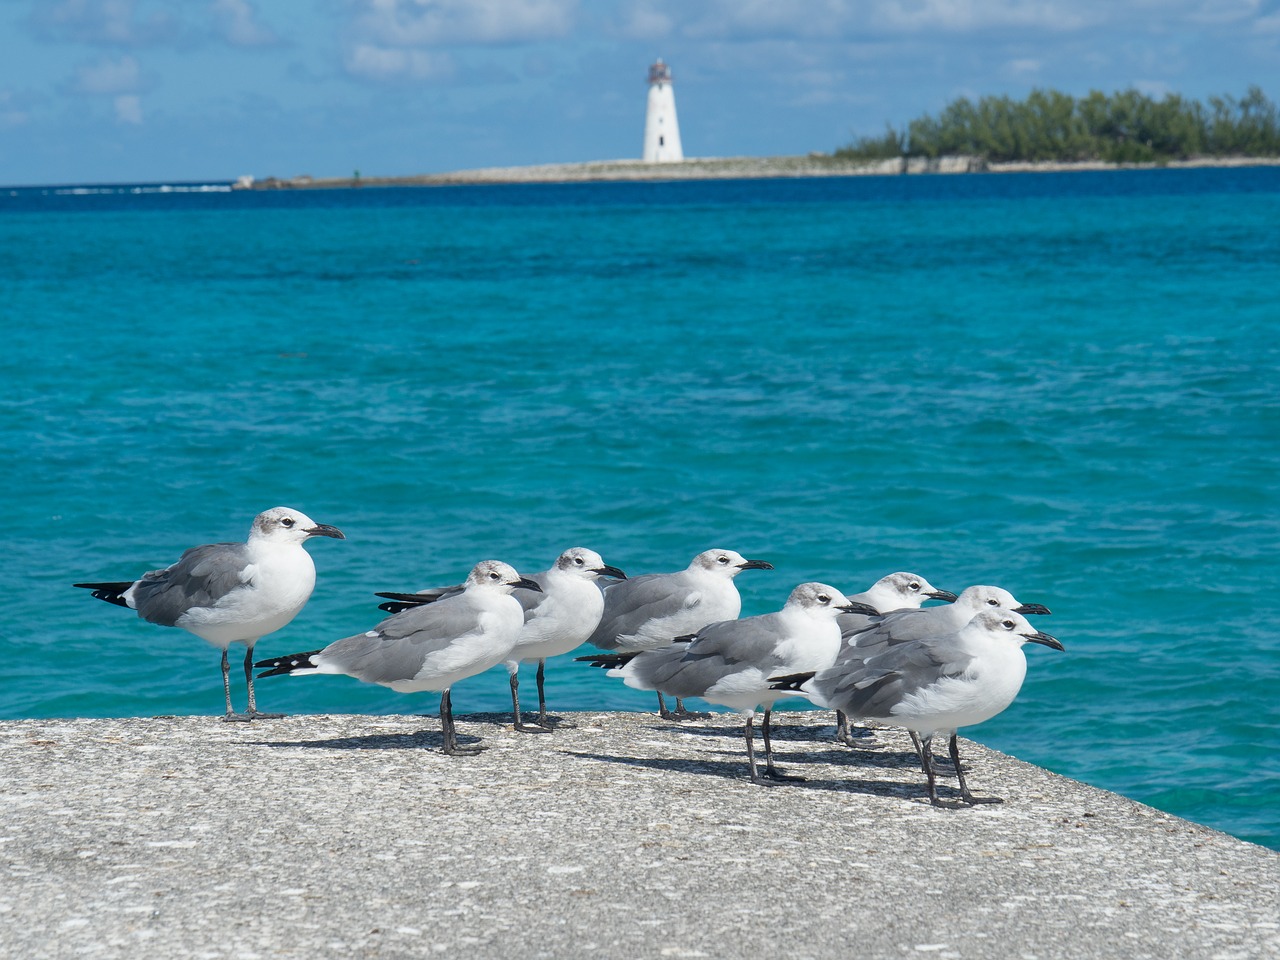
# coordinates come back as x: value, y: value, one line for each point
x: 823, y: 598
x: 913, y: 586
x: 993, y: 603
x: 1007, y: 624
x: 494, y: 576
x: 722, y: 559
x: 288, y: 522
x: 578, y: 561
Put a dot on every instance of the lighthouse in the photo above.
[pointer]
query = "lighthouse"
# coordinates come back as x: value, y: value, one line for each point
x: 661, y: 129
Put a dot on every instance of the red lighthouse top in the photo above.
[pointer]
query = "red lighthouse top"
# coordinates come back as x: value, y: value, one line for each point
x: 659, y: 73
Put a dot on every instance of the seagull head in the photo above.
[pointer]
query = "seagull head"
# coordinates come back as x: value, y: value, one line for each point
x: 587, y: 564
x: 904, y: 591
x: 823, y: 600
x: 726, y: 563
x: 496, y: 575
x: 980, y: 598
x: 1014, y: 626
x: 286, y: 525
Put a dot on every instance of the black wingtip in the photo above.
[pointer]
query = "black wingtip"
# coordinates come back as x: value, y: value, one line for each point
x: 110, y: 592
x: 281, y: 666
x: 609, y: 660
x: 792, y: 681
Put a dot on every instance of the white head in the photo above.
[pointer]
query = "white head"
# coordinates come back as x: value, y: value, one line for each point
x: 499, y: 576
x: 587, y: 564
x: 726, y: 563
x: 1012, y: 627
x: 286, y: 525
x: 821, y: 600
x: 903, y: 591
x: 979, y: 598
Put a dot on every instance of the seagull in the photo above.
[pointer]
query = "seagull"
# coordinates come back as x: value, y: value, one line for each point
x: 650, y: 611
x: 932, y: 685
x: 901, y: 626
x: 229, y: 593
x: 731, y: 662
x: 897, y: 591
x: 431, y: 646
x: 556, y: 620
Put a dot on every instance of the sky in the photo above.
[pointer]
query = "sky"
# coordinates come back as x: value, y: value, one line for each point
x: 104, y: 91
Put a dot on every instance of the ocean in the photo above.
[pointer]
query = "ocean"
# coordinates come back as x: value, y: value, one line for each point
x: 1063, y: 384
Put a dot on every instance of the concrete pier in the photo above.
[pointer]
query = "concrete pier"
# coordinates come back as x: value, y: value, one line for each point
x: 619, y: 835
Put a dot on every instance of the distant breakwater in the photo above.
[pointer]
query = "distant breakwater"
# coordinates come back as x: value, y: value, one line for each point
x: 726, y: 168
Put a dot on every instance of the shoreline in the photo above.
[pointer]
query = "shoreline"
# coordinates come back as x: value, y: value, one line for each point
x: 727, y: 168
x: 616, y: 835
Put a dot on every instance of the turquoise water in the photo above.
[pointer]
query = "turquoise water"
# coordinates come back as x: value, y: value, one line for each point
x: 1062, y: 384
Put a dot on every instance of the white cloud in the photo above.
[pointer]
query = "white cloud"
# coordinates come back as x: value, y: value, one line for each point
x: 238, y: 22
x: 129, y: 109
x: 423, y: 23
x: 106, y: 22
x: 1025, y: 67
x: 373, y: 62
x: 108, y: 77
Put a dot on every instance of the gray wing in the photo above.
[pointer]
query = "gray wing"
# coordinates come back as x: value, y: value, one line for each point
x: 397, y: 648
x: 201, y: 578
x: 877, y: 634
x: 629, y: 604
x: 718, y: 651
x: 873, y: 687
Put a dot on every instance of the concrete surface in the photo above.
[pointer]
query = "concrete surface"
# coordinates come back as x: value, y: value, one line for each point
x: 618, y: 836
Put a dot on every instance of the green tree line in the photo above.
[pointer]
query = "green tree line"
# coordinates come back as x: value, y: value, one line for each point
x: 1125, y: 127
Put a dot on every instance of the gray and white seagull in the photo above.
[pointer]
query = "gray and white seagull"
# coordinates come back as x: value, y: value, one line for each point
x: 556, y: 620
x: 431, y: 646
x: 732, y: 662
x: 933, y: 685
x: 650, y: 611
x: 229, y: 593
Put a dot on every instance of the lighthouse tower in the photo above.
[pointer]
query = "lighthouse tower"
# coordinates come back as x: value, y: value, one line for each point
x: 661, y: 130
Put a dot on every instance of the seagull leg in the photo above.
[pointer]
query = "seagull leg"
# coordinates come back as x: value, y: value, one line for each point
x: 748, y: 731
x: 683, y: 713
x: 226, y: 687
x: 965, y: 795
x: 663, y: 712
x: 770, y: 771
x: 846, y: 734
x: 915, y: 740
x: 450, y: 732
x: 252, y: 713
x: 926, y: 760
x: 520, y: 725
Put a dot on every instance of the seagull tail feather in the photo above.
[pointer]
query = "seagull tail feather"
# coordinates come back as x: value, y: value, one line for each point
x: 282, y: 666
x: 610, y: 660
x: 792, y: 681
x: 110, y: 592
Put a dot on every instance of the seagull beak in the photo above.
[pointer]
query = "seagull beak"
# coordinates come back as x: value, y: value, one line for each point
x: 1032, y: 608
x: 324, y: 530
x: 527, y: 584
x: 608, y: 571
x: 853, y: 606
x: 755, y: 565
x: 946, y: 595
x: 1045, y: 639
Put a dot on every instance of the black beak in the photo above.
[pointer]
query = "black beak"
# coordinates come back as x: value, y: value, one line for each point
x: 853, y: 606
x: 755, y: 565
x: 324, y: 530
x: 1032, y: 608
x: 946, y: 595
x: 608, y: 571
x: 1045, y: 639
x: 527, y: 584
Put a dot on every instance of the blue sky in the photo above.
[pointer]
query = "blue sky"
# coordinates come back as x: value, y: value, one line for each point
x: 143, y: 90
